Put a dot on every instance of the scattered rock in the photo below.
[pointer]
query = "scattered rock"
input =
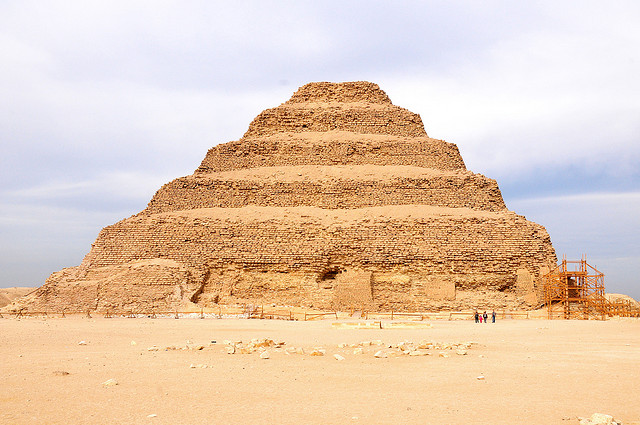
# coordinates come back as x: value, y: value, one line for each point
x: 318, y: 352
x: 110, y: 383
x: 338, y: 357
x: 395, y: 350
x: 134, y: 343
x: 82, y: 343
x: 60, y: 372
x: 264, y: 355
x: 480, y: 378
x: 153, y: 415
x: 265, y: 343
x: 599, y: 419
x: 153, y: 348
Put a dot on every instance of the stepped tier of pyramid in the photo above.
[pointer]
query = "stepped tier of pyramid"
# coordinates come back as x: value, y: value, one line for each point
x: 335, y: 199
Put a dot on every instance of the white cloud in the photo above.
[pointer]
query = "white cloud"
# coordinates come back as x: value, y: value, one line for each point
x: 603, y: 226
x: 125, y: 185
x: 563, y: 94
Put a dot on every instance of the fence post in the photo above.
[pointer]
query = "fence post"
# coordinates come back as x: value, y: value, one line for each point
x: 88, y: 314
x: 177, y: 317
x: 201, y: 312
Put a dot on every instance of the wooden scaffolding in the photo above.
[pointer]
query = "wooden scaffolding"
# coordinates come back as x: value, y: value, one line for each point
x: 575, y: 290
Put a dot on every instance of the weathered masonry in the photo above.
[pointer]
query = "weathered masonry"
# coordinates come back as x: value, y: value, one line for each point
x: 335, y: 199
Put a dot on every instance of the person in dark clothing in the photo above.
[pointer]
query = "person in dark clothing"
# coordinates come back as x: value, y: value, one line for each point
x: 477, y: 316
x: 485, y: 316
x: 493, y: 316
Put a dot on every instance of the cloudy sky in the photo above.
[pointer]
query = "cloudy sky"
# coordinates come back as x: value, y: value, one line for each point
x: 101, y: 102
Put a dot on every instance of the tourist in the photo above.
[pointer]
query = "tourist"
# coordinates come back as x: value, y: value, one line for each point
x: 480, y: 317
x: 485, y: 317
x: 493, y: 316
x: 477, y: 316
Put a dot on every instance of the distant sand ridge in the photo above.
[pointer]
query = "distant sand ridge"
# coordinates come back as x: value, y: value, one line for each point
x: 335, y: 199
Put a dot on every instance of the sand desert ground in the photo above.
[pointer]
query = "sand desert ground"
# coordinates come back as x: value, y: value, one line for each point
x: 7, y: 295
x: 535, y: 372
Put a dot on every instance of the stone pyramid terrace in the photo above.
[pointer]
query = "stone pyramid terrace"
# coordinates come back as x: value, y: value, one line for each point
x: 336, y: 199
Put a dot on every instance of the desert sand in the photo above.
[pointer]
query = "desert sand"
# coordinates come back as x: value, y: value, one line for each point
x: 7, y: 295
x: 533, y: 372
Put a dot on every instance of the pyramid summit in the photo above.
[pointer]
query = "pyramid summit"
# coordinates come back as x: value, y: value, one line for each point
x: 335, y: 199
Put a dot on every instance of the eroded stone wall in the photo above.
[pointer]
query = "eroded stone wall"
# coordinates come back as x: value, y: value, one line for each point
x: 331, y: 149
x: 348, y: 92
x: 209, y: 191
x: 354, y: 118
x: 467, y: 252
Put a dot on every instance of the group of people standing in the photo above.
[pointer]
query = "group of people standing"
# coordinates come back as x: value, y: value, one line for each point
x: 484, y: 317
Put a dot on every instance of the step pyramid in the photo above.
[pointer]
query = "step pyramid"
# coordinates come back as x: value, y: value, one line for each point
x: 336, y: 199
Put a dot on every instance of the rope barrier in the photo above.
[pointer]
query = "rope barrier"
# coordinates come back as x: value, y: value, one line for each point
x: 621, y: 311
